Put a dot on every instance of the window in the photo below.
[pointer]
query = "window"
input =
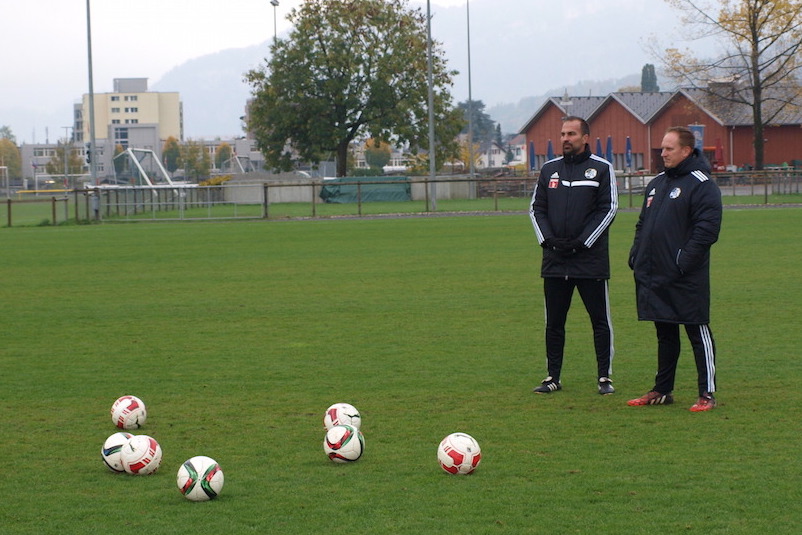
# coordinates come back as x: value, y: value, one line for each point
x: 115, y: 121
x: 134, y: 98
x: 115, y: 110
x: 115, y: 98
x: 121, y: 137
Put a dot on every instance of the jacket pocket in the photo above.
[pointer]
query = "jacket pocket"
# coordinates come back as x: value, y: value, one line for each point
x: 677, y: 260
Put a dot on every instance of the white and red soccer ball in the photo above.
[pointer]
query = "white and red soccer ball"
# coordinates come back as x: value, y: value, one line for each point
x: 200, y: 478
x: 141, y: 455
x: 129, y: 412
x: 342, y: 414
x: 344, y: 444
x: 459, y: 453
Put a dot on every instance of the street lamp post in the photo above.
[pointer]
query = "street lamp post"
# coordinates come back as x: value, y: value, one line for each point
x: 432, y: 167
x: 470, y: 100
x: 92, y: 144
x: 274, y: 3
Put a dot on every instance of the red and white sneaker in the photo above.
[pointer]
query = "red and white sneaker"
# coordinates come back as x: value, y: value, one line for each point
x: 705, y: 402
x: 652, y: 398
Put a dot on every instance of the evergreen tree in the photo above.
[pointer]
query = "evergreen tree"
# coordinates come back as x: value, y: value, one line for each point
x: 648, y: 79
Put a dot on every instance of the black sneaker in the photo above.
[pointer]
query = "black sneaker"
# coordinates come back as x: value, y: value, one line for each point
x: 606, y: 386
x: 548, y: 386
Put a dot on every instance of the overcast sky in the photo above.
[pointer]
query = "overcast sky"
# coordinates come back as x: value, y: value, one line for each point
x: 44, y: 46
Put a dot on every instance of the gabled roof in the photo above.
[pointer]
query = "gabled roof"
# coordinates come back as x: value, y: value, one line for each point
x: 647, y: 106
x: 735, y: 114
x: 643, y: 106
x: 518, y: 139
x: 579, y: 106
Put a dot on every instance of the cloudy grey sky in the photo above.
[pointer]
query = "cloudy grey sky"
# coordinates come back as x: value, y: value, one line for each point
x: 519, y: 47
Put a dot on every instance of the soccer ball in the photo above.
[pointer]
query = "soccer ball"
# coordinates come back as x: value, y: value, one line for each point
x: 200, y: 479
x: 128, y: 412
x: 459, y: 453
x: 141, y: 455
x: 344, y: 443
x: 342, y: 414
x: 110, y: 453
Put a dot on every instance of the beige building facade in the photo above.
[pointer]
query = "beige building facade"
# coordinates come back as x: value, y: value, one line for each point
x: 130, y: 105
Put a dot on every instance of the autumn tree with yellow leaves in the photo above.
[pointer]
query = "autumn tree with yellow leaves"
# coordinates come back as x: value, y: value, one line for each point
x: 760, y: 63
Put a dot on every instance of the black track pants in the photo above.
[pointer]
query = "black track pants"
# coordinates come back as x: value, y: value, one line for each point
x: 668, y: 350
x: 595, y: 296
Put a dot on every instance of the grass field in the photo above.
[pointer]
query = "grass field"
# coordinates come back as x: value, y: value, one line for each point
x: 238, y: 335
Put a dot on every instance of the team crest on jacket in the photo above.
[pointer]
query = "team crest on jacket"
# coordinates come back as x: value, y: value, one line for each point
x: 675, y: 193
x: 554, y: 180
x: 590, y: 173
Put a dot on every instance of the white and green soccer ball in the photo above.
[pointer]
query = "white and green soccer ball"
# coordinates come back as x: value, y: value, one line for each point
x: 110, y: 452
x: 200, y: 478
x: 344, y: 444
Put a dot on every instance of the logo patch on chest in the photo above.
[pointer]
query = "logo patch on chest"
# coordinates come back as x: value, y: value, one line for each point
x: 676, y: 192
x: 590, y: 173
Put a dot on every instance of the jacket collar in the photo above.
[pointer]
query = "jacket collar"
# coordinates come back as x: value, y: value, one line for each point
x: 578, y: 158
x: 695, y: 162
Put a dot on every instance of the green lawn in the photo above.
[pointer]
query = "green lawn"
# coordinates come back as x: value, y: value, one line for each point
x: 239, y: 334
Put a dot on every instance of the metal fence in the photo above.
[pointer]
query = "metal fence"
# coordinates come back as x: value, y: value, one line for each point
x: 301, y: 198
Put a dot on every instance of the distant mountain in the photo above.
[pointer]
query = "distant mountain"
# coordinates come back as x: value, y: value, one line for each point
x: 213, y: 91
x: 519, y: 56
x: 512, y: 117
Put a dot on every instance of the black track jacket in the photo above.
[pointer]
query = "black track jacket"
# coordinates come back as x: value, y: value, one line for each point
x: 679, y: 221
x: 575, y: 198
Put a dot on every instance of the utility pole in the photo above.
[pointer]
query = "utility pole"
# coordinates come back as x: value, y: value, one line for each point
x: 470, y: 100
x: 274, y: 3
x: 432, y: 167
x: 92, y: 144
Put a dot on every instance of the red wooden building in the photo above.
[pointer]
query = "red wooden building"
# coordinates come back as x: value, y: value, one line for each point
x: 644, y: 118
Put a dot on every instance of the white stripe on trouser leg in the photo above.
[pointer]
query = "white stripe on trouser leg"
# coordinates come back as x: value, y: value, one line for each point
x: 610, y: 325
x: 710, y: 357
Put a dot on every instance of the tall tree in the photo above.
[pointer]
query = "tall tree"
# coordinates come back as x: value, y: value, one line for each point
x: 349, y: 69
x: 10, y: 158
x: 195, y: 160
x: 483, y: 126
x: 121, y: 164
x: 223, y: 154
x: 648, y: 79
x: 762, y: 60
x: 6, y: 133
x: 377, y: 154
x: 74, y: 162
x: 171, y: 154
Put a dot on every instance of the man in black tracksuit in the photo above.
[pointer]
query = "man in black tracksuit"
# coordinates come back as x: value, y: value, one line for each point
x: 679, y: 221
x: 574, y: 202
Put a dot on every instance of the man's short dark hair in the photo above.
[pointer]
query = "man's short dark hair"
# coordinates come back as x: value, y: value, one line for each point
x: 584, y: 127
x: 684, y: 135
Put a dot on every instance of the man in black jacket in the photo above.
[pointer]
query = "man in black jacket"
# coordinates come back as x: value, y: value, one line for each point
x: 679, y: 221
x: 574, y: 202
